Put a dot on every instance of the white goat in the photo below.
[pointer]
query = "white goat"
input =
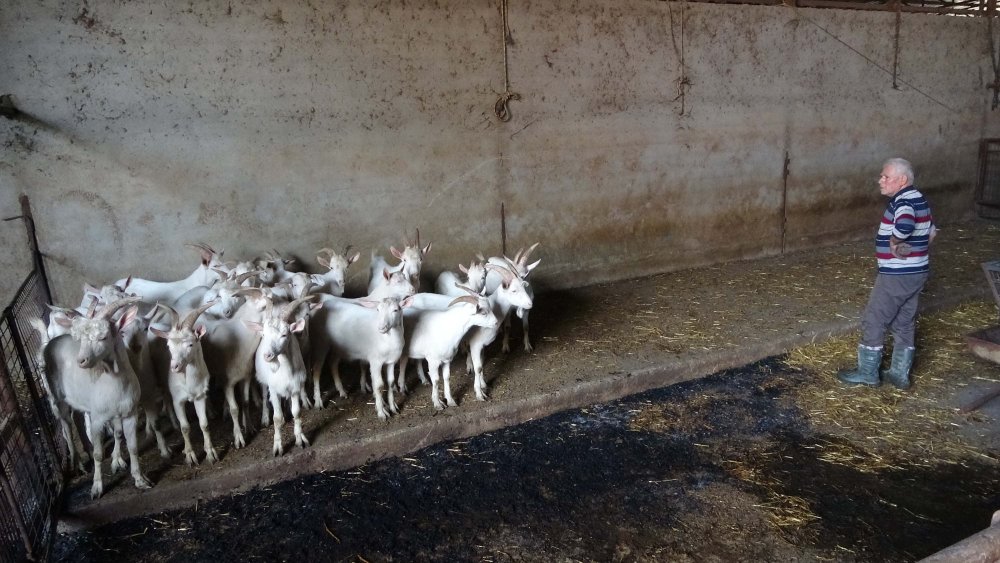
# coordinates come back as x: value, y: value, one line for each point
x: 332, y: 281
x: 89, y: 371
x: 225, y: 293
x: 229, y: 346
x: 280, y: 367
x: 410, y: 260
x: 186, y: 374
x: 361, y: 329
x: 449, y: 283
x: 434, y: 335
x: 167, y: 292
x: 511, y: 292
x: 519, y: 266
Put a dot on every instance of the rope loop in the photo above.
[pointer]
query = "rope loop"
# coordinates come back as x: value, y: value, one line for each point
x: 502, y: 109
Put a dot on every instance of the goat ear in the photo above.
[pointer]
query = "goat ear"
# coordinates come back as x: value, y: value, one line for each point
x: 160, y: 333
x: 426, y: 249
x: 128, y: 282
x: 463, y: 269
x: 323, y: 261
x: 386, y: 274
x: 406, y: 302
x: 367, y: 303
x: 315, y: 306
x: 354, y: 258
x: 62, y: 321
x: 298, y: 326
x: 200, y: 331
x: 254, y: 326
x: 395, y: 252
x: 87, y: 288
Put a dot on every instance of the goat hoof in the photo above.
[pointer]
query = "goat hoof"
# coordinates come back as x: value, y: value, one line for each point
x: 239, y: 442
x: 301, y: 442
x: 439, y: 406
x: 97, y: 490
x: 117, y: 465
x: 165, y: 452
x: 452, y: 403
x: 211, y: 456
x: 141, y: 482
x: 277, y: 451
x: 191, y: 459
x: 528, y: 347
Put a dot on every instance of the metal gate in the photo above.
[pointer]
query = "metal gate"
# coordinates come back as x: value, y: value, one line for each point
x: 988, y: 187
x: 32, y: 468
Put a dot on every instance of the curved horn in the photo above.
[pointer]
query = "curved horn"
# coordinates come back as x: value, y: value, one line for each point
x: 507, y: 275
x: 460, y: 286
x: 256, y: 292
x: 188, y: 321
x: 518, y: 255
x: 289, y: 310
x: 244, y: 277
x: 418, y: 238
x: 465, y: 299
x: 347, y: 250
x: 223, y: 275
x: 173, y: 314
x: 92, y: 306
x: 106, y: 312
x: 524, y: 257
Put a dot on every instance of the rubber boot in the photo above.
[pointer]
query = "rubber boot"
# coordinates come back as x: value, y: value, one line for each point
x: 867, y: 371
x: 899, y: 372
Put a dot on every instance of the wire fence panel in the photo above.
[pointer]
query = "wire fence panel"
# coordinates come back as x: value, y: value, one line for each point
x: 31, y: 467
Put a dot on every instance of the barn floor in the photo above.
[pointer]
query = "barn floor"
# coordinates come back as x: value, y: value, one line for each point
x: 592, y: 345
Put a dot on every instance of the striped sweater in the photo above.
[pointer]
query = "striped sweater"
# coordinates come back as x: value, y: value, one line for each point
x: 908, y: 218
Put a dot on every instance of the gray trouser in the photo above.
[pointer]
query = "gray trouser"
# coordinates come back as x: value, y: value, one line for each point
x: 893, y: 303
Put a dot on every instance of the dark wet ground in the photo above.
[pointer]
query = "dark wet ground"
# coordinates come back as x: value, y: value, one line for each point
x: 656, y: 477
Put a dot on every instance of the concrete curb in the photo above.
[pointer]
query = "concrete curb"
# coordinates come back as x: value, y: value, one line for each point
x: 349, y: 452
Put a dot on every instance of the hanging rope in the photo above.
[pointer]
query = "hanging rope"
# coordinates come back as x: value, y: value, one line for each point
x: 996, y: 64
x: 501, y: 108
x: 895, y: 52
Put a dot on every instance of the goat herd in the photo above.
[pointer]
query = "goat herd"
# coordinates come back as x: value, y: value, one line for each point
x: 131, y: 345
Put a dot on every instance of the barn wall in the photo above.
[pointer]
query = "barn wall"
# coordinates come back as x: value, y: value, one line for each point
x: 649, y: 136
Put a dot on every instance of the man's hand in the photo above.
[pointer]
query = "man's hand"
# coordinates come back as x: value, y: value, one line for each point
x: 898, y: 248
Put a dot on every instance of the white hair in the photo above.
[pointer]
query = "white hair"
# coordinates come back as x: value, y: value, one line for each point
x: 902, y: 167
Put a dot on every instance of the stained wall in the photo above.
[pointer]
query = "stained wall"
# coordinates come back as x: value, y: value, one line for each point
x: 647, y: 137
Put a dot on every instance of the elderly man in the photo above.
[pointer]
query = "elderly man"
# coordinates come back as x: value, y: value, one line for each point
x: 901, y: 247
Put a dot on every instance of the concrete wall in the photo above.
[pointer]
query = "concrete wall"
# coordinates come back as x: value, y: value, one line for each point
x: 301, y: 124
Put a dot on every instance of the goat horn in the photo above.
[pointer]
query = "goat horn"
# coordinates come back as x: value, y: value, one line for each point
x: 223, y: 275
x: 92, y: 306
x: 465, y: 299
x: 347, y: 250
x: 460, y: 286
x: 173, y: 313
x: 480, y: 257
x: 289, y: 310
x: 128, y: 281
x: 256, y: 292
x: 524, y: 258
x: 191, y: 317
x: 244, y: 277
x: 507, y: 275
x: 518, y: 255
x: 105, y: 313
x: 418, y: 238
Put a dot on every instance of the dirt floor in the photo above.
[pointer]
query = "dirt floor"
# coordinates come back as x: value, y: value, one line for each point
x: 773, y: 461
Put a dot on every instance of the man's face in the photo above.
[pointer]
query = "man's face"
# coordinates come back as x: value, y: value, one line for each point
x: 891, y: 181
